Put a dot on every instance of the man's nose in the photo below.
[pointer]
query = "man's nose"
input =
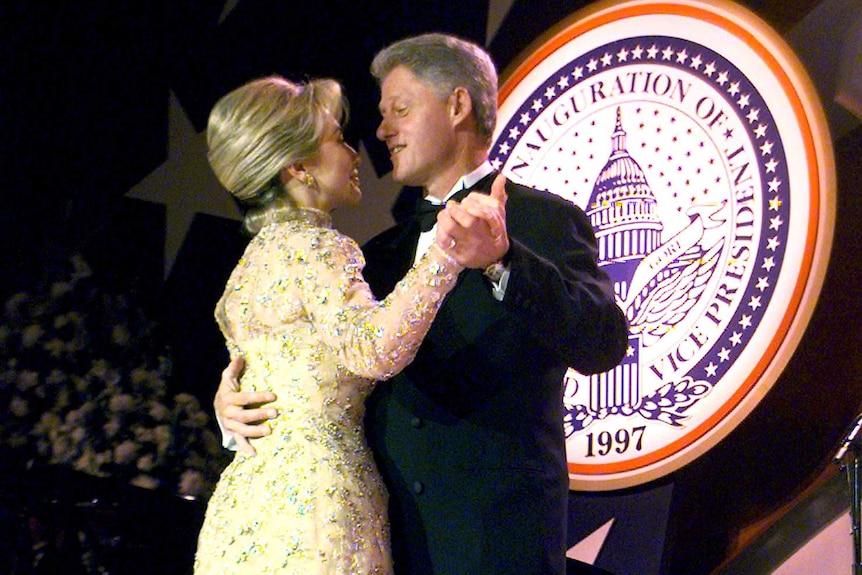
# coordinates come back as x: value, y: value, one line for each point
x: 383, y: 130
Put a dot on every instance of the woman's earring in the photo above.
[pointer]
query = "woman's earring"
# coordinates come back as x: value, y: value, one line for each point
x: 310, y: 181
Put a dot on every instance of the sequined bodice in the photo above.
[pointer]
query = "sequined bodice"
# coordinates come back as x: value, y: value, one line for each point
x: 297, y: 309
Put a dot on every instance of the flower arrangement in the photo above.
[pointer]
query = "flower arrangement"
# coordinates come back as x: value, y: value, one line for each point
x: 84, y: 383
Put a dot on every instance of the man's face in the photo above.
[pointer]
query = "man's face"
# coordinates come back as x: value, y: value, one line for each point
x: 417, y: 128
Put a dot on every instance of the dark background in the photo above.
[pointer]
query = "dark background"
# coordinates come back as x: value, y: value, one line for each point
x: 85, y: 99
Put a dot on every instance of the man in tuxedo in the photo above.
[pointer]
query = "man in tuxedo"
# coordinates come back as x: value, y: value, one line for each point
x: 469, y: 437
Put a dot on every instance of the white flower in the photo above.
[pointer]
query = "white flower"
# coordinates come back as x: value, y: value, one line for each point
x: 27, y: 379
x: 99, y: 368
x: 149, y: 382
x: 85, y: 461
x: 162, y: 435
x: 75, y: 317
x: 76, y: 345
x: 112, y: 378
x: 31, y: 334
x: 212, y: 444
x: 55, y: 377
x: 122, y: 403
x: 15, y: 303
x: 59, y: 289
x: 16, y: 440
x: 195, y: 460
x: 81, y: 268
x: 139, y: 375
x: 146, y: 462
x: 189, y: 406
x: 186, y: 400
x: 19, y: 407
x: 90, y: 462
x: 49, y: 420
x: 102, y: 458
x: 199, y: 420
x: 61, y: 448
x: 112, y: 427
x: 43, y: 447
x: 61, y: 397
x: 78, y: 416
x: 78, y: 435
x: 120, y: 335
x: 159, y: 411
x: 145, y: 481
x: 55, y: 347
x: 62, y: 320
x: 192, y: 483
x: 81, y: 384
x: 126, y: 452
x: 143, y: 434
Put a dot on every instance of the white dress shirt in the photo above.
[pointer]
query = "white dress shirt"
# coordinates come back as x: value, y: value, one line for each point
x: 427, y: 238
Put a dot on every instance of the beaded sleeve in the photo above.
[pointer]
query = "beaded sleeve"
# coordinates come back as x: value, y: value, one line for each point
x: 374, y: 339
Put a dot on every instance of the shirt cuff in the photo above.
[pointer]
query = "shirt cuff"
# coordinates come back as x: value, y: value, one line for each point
x: 498, y: 274
x: 227, y: 440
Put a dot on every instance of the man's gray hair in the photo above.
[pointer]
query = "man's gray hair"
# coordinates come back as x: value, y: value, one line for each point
x: 444, y: 63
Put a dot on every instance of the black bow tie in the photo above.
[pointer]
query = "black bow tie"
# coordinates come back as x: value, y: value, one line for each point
x: 426, y: 212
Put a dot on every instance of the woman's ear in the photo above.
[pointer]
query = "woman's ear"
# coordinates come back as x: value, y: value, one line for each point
x: 295, y: 171
x: 460, y: 105
x: 299, y: 172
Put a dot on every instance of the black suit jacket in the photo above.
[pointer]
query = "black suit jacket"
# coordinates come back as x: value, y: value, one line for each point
x: 469, y: 437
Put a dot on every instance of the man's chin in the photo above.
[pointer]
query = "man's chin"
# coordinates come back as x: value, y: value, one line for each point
x: 405, y: 178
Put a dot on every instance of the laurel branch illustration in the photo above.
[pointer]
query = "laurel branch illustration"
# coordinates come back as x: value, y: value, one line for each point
x: 671, y: 401
x: 668, y: 404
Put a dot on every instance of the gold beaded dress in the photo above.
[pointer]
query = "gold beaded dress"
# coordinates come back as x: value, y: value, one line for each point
x: 297, y: 309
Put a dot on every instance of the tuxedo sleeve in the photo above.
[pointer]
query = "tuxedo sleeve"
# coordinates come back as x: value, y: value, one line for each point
x: 556, y: 285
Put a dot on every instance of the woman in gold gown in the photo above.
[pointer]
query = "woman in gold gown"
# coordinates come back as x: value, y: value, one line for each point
x: 297, y: 309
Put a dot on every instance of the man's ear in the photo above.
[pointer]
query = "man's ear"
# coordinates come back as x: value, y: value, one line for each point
x: 460, y: 105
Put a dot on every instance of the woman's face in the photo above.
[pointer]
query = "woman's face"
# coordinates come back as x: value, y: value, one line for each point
x: 335, y: 171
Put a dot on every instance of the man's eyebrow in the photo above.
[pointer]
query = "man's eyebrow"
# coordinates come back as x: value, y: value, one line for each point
x: 393, y: 100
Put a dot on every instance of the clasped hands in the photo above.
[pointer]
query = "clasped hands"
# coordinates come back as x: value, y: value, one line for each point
x: 473, y: 231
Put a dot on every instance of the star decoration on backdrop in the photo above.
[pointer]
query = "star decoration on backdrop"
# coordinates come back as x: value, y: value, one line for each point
x: 184, y: 183
x: 587, y: 549
x: 228, y: 7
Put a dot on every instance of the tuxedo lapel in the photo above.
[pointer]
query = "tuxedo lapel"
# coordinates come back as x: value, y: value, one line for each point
x: 389, y: 256
x: 484, y: 185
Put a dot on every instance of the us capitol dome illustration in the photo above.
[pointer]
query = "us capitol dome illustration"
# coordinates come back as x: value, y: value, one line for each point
x: 622, y: 211
x: 656, y: 284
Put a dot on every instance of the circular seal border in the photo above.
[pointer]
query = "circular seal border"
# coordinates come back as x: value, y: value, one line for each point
x: 788, y: 73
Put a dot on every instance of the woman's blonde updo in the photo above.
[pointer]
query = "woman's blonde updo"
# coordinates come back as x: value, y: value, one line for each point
x: 263, y: 126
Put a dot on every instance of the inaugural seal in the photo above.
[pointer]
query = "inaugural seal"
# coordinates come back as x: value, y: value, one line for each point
x: 694, y: 141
